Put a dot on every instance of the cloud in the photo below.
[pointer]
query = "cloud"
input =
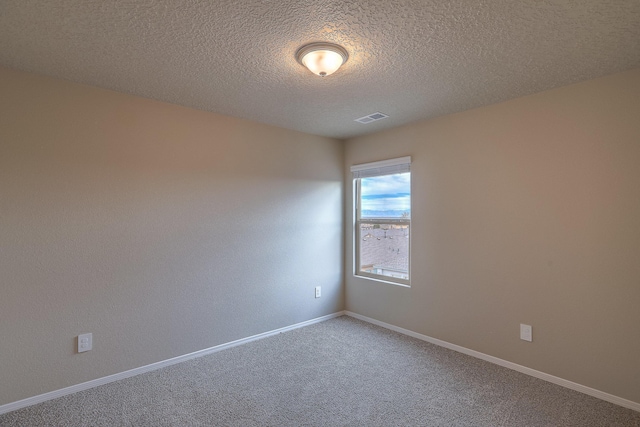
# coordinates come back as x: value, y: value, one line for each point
x: 385, y: 196
x: 387, y: 204
x: 386, y: 193
x: 386, y: 184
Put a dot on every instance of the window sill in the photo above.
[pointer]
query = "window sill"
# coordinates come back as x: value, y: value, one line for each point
x: 375, y: 279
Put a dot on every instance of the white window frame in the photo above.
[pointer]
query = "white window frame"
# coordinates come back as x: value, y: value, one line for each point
x: 367, y: 170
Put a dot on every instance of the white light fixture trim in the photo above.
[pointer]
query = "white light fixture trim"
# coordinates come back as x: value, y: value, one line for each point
x: 322, y: 59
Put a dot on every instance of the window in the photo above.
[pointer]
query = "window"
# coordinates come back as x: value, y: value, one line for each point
x: 382, y: 231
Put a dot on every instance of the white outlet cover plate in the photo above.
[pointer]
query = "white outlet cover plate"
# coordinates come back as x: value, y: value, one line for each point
x: 318, y: 291
x: 85, y: 342
x: 526, y: 332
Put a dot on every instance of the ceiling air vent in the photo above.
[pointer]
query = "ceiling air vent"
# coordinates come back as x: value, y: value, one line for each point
x: 371, y: 118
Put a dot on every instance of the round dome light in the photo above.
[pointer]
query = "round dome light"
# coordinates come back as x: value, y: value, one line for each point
x: 322, y: 59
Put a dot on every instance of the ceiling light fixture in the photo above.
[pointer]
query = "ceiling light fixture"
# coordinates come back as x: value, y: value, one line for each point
x: 322, y: 59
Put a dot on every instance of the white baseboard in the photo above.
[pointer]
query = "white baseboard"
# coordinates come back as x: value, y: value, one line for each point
x: 152, y: 367
x: 532, y: 372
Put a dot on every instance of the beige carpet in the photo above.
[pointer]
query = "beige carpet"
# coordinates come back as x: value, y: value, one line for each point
x: 342, y: 372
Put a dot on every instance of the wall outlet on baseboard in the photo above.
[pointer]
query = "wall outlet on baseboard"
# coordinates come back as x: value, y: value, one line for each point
x: 318, y: 292
x: 526, y: 333
x: 85, y: 342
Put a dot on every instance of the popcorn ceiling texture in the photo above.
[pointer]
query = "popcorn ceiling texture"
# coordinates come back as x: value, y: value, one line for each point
x: 410, y: 59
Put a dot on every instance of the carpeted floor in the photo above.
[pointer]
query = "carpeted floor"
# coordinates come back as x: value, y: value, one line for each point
x: 342, y: 372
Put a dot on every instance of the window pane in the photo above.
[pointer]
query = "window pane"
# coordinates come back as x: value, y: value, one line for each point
x: 384, y: 249
x: 387, y: 196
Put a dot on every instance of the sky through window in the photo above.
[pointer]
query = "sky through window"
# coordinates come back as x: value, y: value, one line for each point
x: 387, y: 196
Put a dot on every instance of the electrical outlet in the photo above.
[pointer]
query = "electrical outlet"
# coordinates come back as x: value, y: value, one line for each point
x: 85, y: 342
x: 318, y: 292
x: 526, y: 333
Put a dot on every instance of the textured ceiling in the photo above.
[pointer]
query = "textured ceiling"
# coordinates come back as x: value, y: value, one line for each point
x: 409, y: 59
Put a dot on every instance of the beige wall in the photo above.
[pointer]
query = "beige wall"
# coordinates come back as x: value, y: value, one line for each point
x: 164, y: 230
x: 523, y: 212
x: 160, y: 229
